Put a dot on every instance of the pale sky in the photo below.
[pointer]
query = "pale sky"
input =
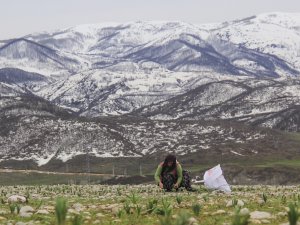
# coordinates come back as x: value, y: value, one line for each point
x: 21, y: 17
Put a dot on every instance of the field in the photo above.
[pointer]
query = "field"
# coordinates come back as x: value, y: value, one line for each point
x: 147, y: 204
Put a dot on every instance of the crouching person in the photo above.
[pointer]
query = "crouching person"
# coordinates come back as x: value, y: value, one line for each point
x: 169, y: 175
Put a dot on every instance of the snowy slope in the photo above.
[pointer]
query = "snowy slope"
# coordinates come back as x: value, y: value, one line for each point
x: 264, y: 45
x: 267, y: 103
x: 33, y: 57
x: 96, y: 92
x: 114, y: 69
x: 33, y: 130
x: 273, y: 33
x: 201, y: 77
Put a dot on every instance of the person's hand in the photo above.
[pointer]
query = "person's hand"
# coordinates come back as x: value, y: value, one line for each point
x: 161, y: 185
x: 176, y: 186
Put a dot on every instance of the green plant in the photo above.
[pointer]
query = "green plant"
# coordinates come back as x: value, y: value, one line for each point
x: 138, y: 209
x: 39, y: 205
x: 134, y: 198
x: 239, y: 219
x: 126, y: 207
x: 296, y: 198
x: 179, y: 199
x: 18, y: 207
x: 27, y: 197
x: 77, y: 220
x: 166, y: 220
x: 12, y: 208
x: 61, y: 210
x: 234, y: 202
x: 183, y: 219
x: 119, y: 192
x: 166, y: 209
x: 283, y: 199
x: 120, y: 213
x: 264, y: 197
x: 166, y: 206
x: 151, y: 205
x: 293, y: 214
x: 196, y: 209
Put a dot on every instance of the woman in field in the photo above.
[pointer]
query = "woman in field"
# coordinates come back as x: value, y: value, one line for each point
x: 169, y: 175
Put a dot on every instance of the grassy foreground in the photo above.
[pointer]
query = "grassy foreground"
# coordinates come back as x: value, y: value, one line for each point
x: 147, y: 204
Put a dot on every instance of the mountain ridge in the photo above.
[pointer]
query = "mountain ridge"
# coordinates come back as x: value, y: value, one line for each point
x: 135, y: 89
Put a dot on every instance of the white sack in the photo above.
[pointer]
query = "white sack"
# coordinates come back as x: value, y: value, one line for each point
x: 214, y: 179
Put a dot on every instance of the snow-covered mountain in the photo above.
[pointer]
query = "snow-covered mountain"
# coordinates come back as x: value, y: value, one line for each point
x: 263, y: 45
x: 36, y: 133
x: 33, y: 57
x: 114, y: 69
x: 271, y: 33
x: 268, y: 103
x: 244, y: 71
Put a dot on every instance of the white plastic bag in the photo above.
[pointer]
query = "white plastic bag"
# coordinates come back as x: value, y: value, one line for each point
x: 214, y: 179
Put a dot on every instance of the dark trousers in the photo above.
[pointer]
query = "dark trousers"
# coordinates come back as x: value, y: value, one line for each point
x: 169, y: 180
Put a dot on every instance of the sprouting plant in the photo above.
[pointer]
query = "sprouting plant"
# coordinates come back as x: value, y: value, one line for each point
x: 119, y: 192
x: 264, y: 197
x: 205, y: 198
x: 293, y: 214
x: 61, y: 210
x: 12, y: 208
x: 39, y: 205
x: 196, y: 209
x: 133, y: 197
x: 18, y: 207
x: 120, y: 213
x: 283, y: 199
x: 151, y: 205
x: 138, y: 209
x: 296, y: 198
x: 165, y: 209
x: 126, y: 207
x: 234, y: 202
x: 179, y: 199
x: 166, y: 220
x: 183, y: 219
x: 239, y: 219
x: 27, y: 195
x: 77, y: 220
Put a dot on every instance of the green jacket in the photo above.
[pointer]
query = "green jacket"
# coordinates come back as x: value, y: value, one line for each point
x: 159, y: 170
